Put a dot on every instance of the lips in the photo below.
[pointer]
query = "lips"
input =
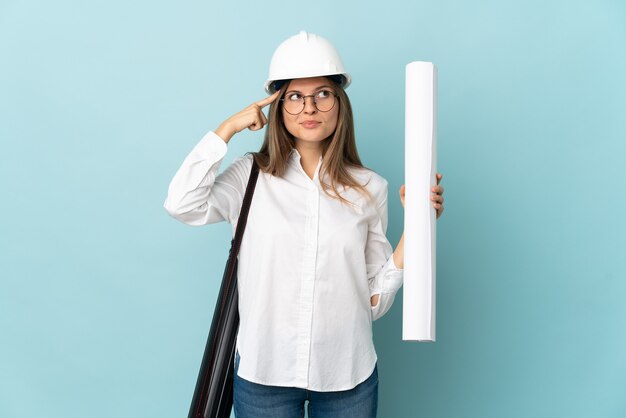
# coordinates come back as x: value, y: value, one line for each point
x: 310, y: 124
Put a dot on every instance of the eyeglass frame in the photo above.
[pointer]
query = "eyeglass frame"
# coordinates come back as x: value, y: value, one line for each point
x: 314, y: 102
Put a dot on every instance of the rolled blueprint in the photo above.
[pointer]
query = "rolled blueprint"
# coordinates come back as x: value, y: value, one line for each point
x: 418, y: 317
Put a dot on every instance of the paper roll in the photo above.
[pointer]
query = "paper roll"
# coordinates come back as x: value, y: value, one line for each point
x: 418, y: 317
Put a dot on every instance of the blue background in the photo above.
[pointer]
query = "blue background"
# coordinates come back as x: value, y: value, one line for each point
x: 105, y: 301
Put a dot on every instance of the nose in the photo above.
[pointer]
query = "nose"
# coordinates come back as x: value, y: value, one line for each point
x: 309, y: 105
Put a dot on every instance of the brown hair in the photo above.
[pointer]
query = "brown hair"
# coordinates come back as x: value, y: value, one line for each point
x: 338, y: 150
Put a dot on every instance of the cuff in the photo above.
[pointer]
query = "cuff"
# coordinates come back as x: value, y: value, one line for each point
x: 389, y: 279
x: 392, y: 264
x: 211, y: 146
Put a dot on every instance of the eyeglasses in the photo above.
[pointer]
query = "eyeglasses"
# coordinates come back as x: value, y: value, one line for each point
x: 294, y: 103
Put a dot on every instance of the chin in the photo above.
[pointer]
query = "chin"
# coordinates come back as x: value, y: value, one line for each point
x: 314, y: 136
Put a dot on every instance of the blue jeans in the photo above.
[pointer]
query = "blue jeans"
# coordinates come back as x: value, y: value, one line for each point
x: 252, y: 400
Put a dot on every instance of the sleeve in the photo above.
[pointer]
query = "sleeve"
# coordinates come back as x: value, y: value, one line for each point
x: 197, y: 195
x: 385, y: 279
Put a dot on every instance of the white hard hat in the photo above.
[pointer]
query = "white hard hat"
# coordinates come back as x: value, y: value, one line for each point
x: 305, y: 55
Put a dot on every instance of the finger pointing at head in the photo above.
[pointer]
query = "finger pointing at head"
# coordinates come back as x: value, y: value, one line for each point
x: 267, y: 100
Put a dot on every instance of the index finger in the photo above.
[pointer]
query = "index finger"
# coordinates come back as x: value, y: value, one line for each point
x: 267, y: 100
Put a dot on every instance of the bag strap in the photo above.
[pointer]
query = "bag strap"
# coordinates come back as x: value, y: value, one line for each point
x: 245, y: 209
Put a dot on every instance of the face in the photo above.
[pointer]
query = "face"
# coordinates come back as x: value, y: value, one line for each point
x: 311, y: 125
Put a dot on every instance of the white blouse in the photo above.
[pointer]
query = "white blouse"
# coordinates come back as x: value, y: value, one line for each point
x: 308, y: 266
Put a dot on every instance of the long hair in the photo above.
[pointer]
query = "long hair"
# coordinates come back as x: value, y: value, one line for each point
x: 339, y: 150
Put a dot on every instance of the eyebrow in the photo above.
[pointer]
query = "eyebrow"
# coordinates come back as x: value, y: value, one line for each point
x: 316, y: 89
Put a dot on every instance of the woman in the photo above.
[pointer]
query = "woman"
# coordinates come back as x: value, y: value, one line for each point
x: 315, y: 266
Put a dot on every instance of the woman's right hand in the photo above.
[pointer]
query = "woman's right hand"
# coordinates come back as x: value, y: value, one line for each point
x: 251, y: 117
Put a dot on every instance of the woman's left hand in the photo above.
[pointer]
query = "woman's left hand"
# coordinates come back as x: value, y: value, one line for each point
x: 436, y: 196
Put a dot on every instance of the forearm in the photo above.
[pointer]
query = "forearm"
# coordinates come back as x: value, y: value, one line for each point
x: 189, y: 189
x: 225, y: 131
x: 398, y: 254
x: 398, y: 259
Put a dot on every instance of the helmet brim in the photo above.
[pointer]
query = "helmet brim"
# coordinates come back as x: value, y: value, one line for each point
x: 343, y: 80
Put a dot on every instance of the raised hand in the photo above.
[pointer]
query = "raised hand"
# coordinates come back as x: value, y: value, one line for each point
x: 252, y: 117
x: 436, y: 196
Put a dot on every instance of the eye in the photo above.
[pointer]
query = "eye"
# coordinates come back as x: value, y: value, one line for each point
x: 294, y: 97
x: 323, y: 94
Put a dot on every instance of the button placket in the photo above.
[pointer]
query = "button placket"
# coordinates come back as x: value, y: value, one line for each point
x: 307, y: 287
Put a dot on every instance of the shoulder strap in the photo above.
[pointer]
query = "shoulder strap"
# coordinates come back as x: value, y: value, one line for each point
x: 245, y: 208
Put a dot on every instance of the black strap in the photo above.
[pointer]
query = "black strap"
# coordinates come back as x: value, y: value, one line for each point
x: 245, y: 209
x: 213, y: 394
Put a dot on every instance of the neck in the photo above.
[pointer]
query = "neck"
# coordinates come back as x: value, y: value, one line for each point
x: 310, y: 153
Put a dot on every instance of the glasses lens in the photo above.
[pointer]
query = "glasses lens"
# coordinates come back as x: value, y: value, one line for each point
x: 324, y: 100
x: 294, y: 103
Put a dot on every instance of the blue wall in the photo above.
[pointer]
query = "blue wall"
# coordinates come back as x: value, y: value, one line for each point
x: 105, y: 301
